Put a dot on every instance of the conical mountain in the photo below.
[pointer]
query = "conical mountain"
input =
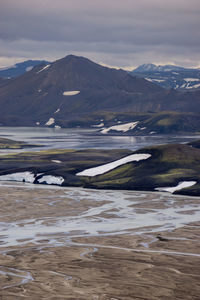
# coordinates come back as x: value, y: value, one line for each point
x: 72, y: 87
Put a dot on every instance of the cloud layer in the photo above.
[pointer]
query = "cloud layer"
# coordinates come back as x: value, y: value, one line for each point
x: 121, y: 32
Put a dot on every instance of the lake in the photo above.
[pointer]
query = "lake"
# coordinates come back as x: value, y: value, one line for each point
x: 68, y: 138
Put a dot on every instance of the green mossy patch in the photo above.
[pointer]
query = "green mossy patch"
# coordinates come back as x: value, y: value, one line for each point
x: 10, y: 144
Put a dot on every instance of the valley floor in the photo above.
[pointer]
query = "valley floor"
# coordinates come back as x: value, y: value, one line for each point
x: 74, y: 243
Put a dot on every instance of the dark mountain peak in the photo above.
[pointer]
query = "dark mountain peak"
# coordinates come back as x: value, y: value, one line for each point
x: 75, y: 62
x: 72, y: 57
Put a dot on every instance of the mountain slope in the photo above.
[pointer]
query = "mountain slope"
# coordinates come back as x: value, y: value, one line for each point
x: 39, y: 95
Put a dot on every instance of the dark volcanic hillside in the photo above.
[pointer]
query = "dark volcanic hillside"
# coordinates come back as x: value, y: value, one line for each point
x: 37, y: 97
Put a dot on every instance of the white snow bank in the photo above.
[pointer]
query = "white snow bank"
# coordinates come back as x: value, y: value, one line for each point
x: 180, y: 186
x: 49, y: 179
x: 20, y: 176
x: 71, y: 93
x: 47, y: 66
x: 56, y: 161
x: 110, y: 166
x: 98, y: 125
x: 191, y: 79
x: 50, y: 122
x: 122, y: 127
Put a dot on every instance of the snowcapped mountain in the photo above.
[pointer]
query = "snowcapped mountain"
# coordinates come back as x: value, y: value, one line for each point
x: 170, y: 76
x: 154, y: 68
x: 20, y: 68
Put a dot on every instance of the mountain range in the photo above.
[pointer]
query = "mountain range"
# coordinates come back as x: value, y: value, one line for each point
x: 169, y: 76
x: 74, y: 91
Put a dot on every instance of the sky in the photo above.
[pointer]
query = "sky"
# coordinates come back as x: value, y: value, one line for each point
x: 121, y: 33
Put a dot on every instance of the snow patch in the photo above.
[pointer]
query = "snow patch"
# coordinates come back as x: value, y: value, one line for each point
x: 49, y: 179
x: 50, y: 122
x: 29, y: 68
x: 195, y: 86
x: 47, y: 66
x: 98, y: 125
x: 20, y: 176
x: 110, y: 166
x: 57, y: 126
x: 191, y: 79
x: 154, y: 80
x: 158, y: 80
x: 122, y: 127
x: 57, y: 111
x: 37, y: 123
x: 149, y: 79
x: 181, y: 185
x: 70, y: 93
x: 56, y: 161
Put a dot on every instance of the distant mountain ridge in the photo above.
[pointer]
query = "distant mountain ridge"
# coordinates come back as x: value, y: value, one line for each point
x: 20, y: 68
x: 158, y: 68
x: 169, y: 76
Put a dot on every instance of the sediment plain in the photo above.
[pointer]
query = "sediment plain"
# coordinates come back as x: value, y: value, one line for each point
x: 75, y: 243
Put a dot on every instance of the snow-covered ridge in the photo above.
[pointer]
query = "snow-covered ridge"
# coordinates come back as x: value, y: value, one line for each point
x: 70, y: 93
x: 44, y: 68
x: 121, y: 127
x: 110, y: 166
x: 180, y: 186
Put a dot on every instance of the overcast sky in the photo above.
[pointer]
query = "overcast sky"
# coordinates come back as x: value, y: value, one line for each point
x: 123, y: 33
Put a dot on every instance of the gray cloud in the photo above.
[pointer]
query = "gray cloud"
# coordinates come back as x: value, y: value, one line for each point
x: 120, y: 32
